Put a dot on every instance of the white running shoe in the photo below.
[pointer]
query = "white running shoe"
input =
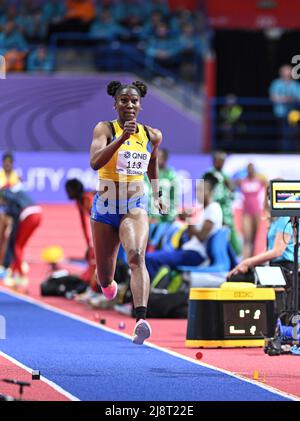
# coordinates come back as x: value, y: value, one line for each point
x: 85, y: 296
x: 22, y: 283
x: 124, y: 308
x: 99, y: 301
x: 9, y: 281
x: 141, y: 332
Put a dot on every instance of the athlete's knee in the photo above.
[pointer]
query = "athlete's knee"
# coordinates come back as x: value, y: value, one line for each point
x: 135, y: 258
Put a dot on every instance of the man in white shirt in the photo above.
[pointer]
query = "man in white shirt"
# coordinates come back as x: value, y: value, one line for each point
x: 193, y: 252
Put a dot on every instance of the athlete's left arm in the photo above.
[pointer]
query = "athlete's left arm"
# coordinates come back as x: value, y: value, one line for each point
x: 152, y: 172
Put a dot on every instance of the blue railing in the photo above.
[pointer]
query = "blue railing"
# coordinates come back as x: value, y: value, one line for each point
x: 242, y: 124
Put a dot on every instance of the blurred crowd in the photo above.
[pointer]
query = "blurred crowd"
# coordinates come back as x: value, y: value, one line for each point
x: 170, y: 38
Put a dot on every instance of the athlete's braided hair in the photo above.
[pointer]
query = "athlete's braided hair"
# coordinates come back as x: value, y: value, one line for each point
x: 114, y: 87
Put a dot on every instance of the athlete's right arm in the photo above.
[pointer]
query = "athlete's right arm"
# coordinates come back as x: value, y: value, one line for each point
x: 101, y: 150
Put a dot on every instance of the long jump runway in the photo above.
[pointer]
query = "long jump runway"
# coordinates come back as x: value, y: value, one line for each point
x: 93, y: 363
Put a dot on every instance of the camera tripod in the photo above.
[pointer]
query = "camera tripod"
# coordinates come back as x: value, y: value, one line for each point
x: 275, y: 346
x: 18, y: 383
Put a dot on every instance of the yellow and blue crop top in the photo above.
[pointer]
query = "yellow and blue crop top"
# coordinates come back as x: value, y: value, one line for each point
x: 130, y: 161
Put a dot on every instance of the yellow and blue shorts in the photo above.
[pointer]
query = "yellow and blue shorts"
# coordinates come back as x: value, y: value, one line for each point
x: 112, y: 211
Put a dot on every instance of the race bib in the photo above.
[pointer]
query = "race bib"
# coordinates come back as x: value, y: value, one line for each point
x: 132, y: 163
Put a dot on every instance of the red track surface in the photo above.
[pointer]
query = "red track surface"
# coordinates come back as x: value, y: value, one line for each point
x: 61, y: 227
x: 38, y: 390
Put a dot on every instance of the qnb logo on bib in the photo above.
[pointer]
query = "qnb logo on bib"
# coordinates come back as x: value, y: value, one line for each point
x: 2, y: 67
x: 137, y: 155
x: 132, y: 162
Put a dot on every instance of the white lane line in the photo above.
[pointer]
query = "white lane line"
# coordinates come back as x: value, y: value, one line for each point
x: 44, y: 379
x: 167, y: 351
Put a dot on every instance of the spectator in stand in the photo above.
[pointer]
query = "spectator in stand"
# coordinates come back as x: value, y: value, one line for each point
x: 30, y: 21
x: 13, y: 47
x: 105, y: 5
x: 191, y: 45
x: 160, y: 6
x: 30, y: 5
x: 11, y: 13
x: 79, y: 15
x: 192, y: 49
x: 104, y: 28
x: 162, y: 48
x: 179, y: 19
x: 199, y: 23
x: 285, y: 95
x: 223, y: 195
x: 129, y: 13
x: 149, y: 28
x: 253, y: 188
x: 2, y: 8
x: 40, y: 60
x: 53, y: 13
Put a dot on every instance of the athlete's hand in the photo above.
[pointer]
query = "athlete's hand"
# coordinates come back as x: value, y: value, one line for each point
x: 129, y: 129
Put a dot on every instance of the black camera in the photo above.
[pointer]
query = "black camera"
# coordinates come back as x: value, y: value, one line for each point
x: 272, y: 346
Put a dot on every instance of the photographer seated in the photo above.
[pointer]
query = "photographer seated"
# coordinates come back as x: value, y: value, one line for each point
x: 280, y: 252
x: 193, y: 252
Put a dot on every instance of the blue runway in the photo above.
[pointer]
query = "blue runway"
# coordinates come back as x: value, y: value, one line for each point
x: 95, y: 365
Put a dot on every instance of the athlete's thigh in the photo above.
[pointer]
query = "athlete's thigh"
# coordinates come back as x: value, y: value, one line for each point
x: 134, y: 230
x: 106, y: 246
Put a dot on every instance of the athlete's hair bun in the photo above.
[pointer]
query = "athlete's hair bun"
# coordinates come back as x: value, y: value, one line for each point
x: 112, y: 87
x: 142, y: 88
